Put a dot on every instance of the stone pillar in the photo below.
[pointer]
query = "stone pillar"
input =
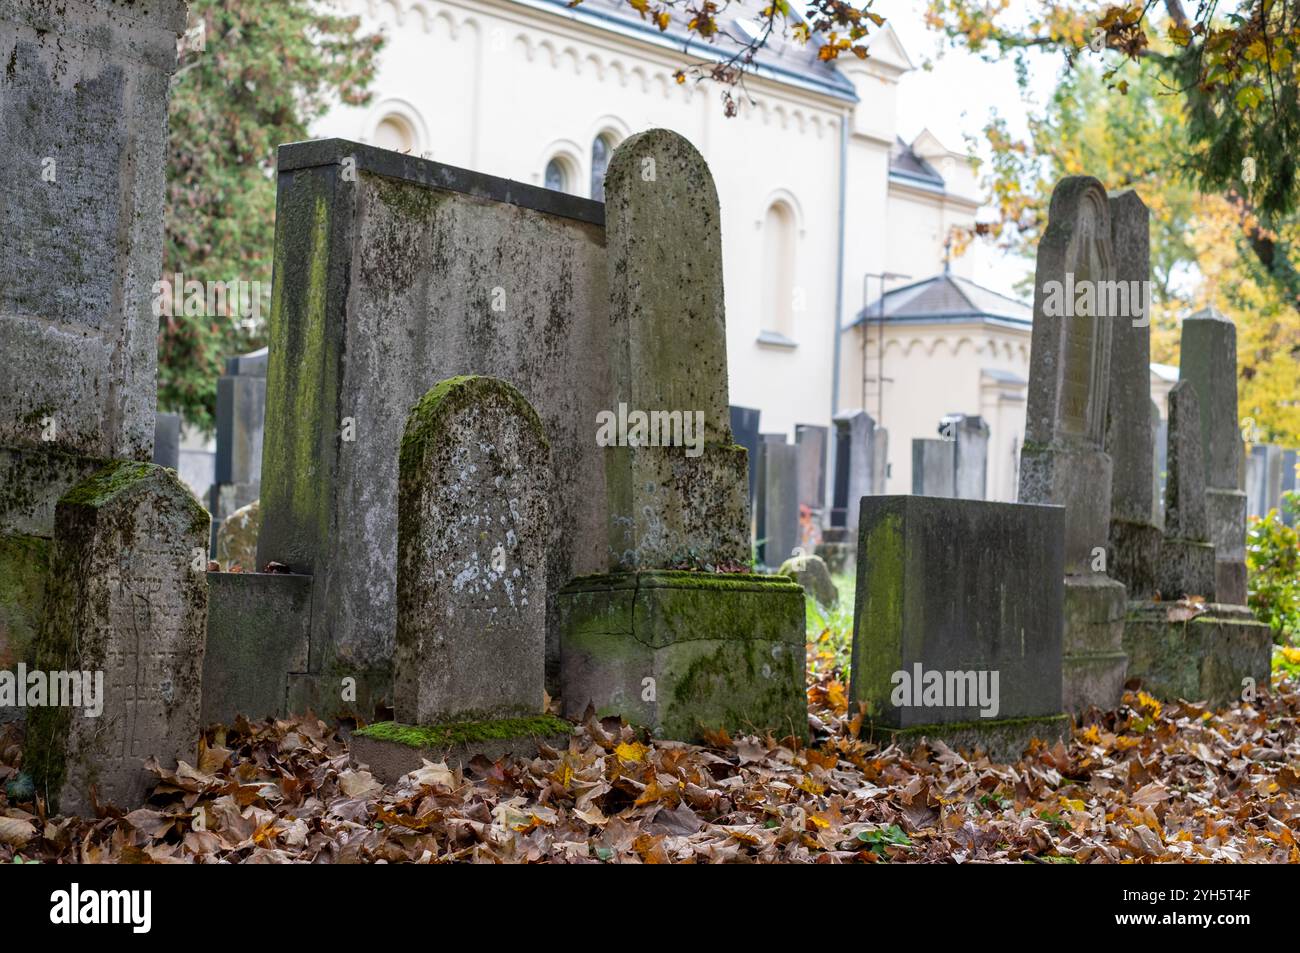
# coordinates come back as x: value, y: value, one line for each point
x: 1208, y: 361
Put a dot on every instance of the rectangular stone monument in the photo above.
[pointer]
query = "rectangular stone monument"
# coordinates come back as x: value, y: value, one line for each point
x: 958, y: 621
x: 680, y: 652
x: 83, y: 119
x: 860, y: 465
x: 1063, y: 460
x: 744, y: 427
x: 970, y: 456
x: 471, y: 581
x: 778, y: 502
x: 1208, y: 359
x: 128, y: 599
x: 393, y: 273
x: 933, y: 466
x: 1134, y: 542
x: 167, y: 440
x: 1186, y: 564
x: 811, y: 441
x: 241, y: 425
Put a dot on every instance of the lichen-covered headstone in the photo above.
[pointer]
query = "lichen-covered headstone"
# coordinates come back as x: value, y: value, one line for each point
x: 471, y: 572
x: 1208, y: 360
x: 127, y: 598
x: 1186, y: 565
x: 669, y: 354
x: 1063, y: 460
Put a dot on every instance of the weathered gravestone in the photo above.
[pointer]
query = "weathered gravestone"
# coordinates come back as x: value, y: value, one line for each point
x: 811, y: 442
x: 744, y: 428
x: 1063, y: 460
x: 1263, y: 479
x: 778, y: 501
x: 812, y: 573
x: 970, y: 435
x: 859, y: 466
x: 957, y: 622
x: 393, y: 273
x: 1186, y: 564
x: 680, y: 652
x: 127, y: 598
x: 1198, y: 649
x: 83, y: 112
x: 241, y: 424
x: 1208, y: 360
x: 933, y: 466
x: 1134, y: 536
x: 474, y: 494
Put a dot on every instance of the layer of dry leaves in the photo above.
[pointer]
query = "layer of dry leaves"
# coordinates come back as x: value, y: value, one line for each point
x: 1147, y: 783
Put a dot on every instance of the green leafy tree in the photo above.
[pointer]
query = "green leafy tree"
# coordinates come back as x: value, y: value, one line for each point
x: 252, y: 75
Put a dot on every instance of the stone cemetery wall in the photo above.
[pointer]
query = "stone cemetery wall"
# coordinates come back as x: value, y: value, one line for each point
x: 393, y: 273
x: 126, y: 612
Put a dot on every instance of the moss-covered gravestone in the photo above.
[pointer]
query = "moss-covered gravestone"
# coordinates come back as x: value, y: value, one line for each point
x: 473, y: 521
x: 127, y: 598
x: 957, y: 624
x: 1063, y: 460
x: 679, y: 651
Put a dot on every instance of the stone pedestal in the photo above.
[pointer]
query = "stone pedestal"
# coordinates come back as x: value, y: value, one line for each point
x: 683, y: 653
x: 1093, y: 663
x: 1206, y: 659
x: 391, y: 750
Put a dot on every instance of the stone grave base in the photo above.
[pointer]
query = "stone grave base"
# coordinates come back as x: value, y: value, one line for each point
x: 1186, y: 568
x: 686, y: 652
x: 259, y: 630
x: 391, y: 750
x: 1134, y: 555
x: 1205, y: 659
x: 1004, y: 740
x: 1093, y: 665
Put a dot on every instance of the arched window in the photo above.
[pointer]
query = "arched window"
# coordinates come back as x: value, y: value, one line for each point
x: 395, y: 132
x: 601, y: 148
x: 778, y: 270
x: 556, y: 177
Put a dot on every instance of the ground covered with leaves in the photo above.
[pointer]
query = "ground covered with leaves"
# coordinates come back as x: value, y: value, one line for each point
x: 1148, y: 783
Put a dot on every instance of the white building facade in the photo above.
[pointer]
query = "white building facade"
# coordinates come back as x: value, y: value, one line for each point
x: 816, y: 190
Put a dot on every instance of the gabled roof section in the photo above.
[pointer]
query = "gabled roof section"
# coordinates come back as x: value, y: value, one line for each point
x: 947, y: 298
x: 782, y: 59
x: 905, y: 163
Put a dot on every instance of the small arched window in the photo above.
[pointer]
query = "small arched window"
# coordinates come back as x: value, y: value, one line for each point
x: 395, y: 132
x: 556, y: 177
x: 601, y: 149
x: 778, y: 269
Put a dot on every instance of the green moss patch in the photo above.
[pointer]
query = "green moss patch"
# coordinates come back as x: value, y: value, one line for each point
x: 466, y: 732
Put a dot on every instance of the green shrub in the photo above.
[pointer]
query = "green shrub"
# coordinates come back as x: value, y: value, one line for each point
x: 1273, y: 563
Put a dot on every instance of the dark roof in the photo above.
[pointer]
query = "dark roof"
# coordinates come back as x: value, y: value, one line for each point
x: 946, y: 297
x: 782, y: 57
x: 903, y: 161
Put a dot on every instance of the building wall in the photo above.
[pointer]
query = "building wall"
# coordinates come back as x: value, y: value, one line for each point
x: 502, y: 88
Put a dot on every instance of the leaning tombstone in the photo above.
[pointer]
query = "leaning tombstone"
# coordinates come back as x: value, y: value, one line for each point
x: 957, y: 623
x: 1063, y: 460
x: 471, y: 583
x: 682, y: 652
x: 126, y: 612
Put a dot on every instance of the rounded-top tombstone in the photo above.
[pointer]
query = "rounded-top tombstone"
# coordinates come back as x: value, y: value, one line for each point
x: 471, y: 576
